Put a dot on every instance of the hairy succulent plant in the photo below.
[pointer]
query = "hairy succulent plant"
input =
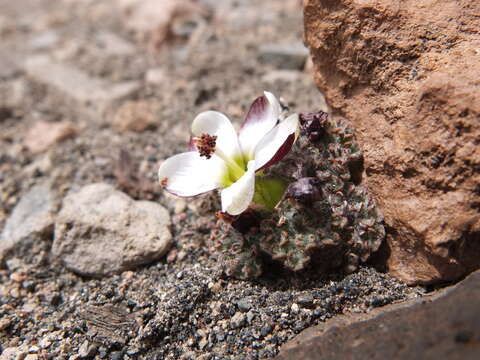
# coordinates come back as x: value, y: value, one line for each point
x: 325, y: 213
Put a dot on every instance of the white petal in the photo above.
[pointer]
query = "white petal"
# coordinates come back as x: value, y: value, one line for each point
x: 237, y: 197
x: 261, y: 118
x: 277, y: 143
x: 215, y: 123
x: 272, y: 99
x: 188, y: 174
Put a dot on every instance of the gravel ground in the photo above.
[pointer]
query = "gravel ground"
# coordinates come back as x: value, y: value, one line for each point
x: 182, y: 306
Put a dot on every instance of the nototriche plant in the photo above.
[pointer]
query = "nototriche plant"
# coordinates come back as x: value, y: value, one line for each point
x: 309, y: 206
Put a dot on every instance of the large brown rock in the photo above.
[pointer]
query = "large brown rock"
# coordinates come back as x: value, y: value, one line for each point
x: 408, y: 75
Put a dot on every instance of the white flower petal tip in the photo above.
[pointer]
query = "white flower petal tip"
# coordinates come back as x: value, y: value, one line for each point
x: 277, y: 143
x: 237, y: 197
x: 262, y: 117
x: 215, y: 123
x: 188, y: 174
x: 272, y: 99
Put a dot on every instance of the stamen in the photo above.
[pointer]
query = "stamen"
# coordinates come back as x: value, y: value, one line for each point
x: 205, y: 144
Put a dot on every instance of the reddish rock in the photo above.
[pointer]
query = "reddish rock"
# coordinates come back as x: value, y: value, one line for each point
x: 44, y: 134
x: 407, y: 76
x: 134, y: 116
x: 153, y: 21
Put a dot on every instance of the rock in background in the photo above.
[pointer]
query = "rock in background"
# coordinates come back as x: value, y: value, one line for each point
x: 30, y: 227
x: 101, y: 231
x: 407, y: 76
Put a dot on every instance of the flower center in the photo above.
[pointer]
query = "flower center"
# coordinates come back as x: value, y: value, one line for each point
x: 205, y: 144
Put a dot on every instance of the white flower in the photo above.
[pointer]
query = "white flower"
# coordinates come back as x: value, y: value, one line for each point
x: 221, y: 159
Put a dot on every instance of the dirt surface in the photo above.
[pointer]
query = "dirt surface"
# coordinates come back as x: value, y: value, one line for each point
x: 407, y: 77
x: 80, y: 65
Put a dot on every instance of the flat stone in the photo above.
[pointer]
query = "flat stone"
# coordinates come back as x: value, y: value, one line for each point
x: 8, y: 65
x: 44, y: 41
x: 69, y: 80
x: 442, y: 326
x: 77, y: 84
x: 238, y: 320
x: 152, y: 20
x: 112, y: 44
x: 101, y: 231
x: 134, y: 116
x: 284, y: 56
x: 287, y: 76
x: 119, y: 91
x: 43, y: 135
x: 32, y: 220
x: 155, y: 76
x: 13, y: 353
x: 244, y: 305
x: 87, y: 351
x: 12, y: 94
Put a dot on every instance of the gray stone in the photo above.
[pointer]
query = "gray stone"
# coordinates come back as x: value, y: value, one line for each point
x: 155, y: 76
x: 244, y: 305
x: 238, y: 320
x: 13, y: 353
x: 250, y: 316
x: 114, y: 45
x: 69, y: 80
x: 287, y: 76
x: 100, y: 231
x: 284, y: 56
x: 8, y: 65
x: 305, y: 300
x: 44, y: 41
x: 441, y: 326
x: 87, y: 351
x: 76, y: 84
x: 31, y: 221
x: 12, y: 94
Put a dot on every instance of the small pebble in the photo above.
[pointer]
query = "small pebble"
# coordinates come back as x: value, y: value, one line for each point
x: 305, y: 300
x: 244, y: 305
x: 294, y: 308
x: 117, y: 355
x: 33, y: 349
x: 238, y: 320
x: 250, y: 316
x: 5, y: 323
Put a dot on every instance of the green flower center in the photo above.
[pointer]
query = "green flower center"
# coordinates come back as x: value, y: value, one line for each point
x: 236, y: 167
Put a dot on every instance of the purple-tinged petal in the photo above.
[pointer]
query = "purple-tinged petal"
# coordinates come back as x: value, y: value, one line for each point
x: 191, y: 144
x: 261, y: 118
x: 281, y: 152
x: 188, y: 174
x: 277, y: 143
